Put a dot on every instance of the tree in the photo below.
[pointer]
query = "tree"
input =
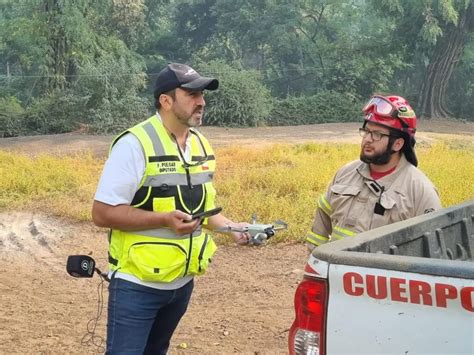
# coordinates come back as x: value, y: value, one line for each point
x: 446, y: 55
x: 433, y: 35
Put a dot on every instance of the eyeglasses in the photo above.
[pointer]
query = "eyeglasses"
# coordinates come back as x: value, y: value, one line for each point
x: 376, y: 135
x: 199, y: 160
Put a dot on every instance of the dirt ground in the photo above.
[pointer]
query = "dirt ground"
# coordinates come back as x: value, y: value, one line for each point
x: 428, y: 132
x: 244, y: 304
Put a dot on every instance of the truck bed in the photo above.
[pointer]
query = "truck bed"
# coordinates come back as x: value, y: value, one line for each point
x: 439, y: 243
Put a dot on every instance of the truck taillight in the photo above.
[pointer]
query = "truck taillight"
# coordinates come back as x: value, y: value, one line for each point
x: 307, y: 334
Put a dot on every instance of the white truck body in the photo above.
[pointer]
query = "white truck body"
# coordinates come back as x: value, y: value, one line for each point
x: 406, y: 288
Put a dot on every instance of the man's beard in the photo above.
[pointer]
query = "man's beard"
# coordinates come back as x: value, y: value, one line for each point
x: 378, y: 159
x: 189, y: 121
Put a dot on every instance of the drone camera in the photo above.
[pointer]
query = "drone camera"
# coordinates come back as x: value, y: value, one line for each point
x: 270, y: 232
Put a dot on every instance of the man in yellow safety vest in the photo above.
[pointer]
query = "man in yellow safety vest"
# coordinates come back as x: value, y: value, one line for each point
x: 159, y: 173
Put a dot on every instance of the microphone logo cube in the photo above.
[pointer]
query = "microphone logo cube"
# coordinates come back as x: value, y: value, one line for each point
x: 80, y: 266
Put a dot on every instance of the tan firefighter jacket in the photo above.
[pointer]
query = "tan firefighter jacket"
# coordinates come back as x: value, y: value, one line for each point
x: 355, y: 203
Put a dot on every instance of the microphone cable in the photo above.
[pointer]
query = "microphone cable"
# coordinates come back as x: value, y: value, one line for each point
x: 90, y: 338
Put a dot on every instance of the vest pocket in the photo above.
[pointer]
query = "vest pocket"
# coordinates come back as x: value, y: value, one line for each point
x: 202, y: 252
x: 164, y: 204
x: 158, y: 262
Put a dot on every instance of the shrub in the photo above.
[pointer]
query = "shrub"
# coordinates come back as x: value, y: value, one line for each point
x: 54, y: 113
x: 118, y: 114
x: 325, y: 106
x: 242, y: 99
x: 11, y: 117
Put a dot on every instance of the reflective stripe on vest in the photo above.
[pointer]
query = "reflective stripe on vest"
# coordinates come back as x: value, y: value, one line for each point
x: 177, y: 179
x: 341, y: 233
x: 166, y: 233
x: 324, y: 205
x: 316, y: 239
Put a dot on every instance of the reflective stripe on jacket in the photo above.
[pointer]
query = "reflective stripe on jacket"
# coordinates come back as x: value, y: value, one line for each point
x: 160, y: 254
x: 354, y: 202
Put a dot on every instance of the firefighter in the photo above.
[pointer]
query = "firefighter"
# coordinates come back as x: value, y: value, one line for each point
x: 384, y: 186
x: 158, y: 174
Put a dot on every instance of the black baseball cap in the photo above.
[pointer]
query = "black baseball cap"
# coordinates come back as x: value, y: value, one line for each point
x: 177, y: 75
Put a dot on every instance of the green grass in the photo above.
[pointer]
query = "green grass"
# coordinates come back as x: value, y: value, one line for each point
x: 276, y: 182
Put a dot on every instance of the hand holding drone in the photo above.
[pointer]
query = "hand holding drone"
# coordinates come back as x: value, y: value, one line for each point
x: 258, y: 232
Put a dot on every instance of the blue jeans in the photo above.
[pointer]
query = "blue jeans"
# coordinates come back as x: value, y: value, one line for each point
x: 141, y: 320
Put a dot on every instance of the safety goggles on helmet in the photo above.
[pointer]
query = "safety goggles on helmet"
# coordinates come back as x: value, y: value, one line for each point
x: 381, y: 106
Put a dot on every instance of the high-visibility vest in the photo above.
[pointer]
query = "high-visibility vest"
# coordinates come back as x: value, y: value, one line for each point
x: 168, y: 184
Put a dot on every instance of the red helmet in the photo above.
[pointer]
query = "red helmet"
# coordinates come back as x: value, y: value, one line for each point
x: 391, y: 111
x: 394, y: 112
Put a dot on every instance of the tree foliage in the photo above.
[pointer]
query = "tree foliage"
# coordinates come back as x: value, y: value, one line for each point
x: 91, y: 62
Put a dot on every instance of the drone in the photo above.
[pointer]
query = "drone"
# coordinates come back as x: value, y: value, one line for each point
x: 259, y: 233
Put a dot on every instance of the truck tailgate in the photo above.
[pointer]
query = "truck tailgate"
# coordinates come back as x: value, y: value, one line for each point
x: 382, y: 311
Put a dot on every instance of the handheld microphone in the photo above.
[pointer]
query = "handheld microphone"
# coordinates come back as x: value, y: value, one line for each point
x: 80, y: 266
x: 84, y: 266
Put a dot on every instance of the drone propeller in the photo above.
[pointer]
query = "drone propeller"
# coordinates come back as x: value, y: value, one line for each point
x: 254, y: 218
x: 279, y: 225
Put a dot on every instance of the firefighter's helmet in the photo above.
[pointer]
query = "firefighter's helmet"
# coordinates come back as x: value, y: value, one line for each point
x: 396, y: 113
